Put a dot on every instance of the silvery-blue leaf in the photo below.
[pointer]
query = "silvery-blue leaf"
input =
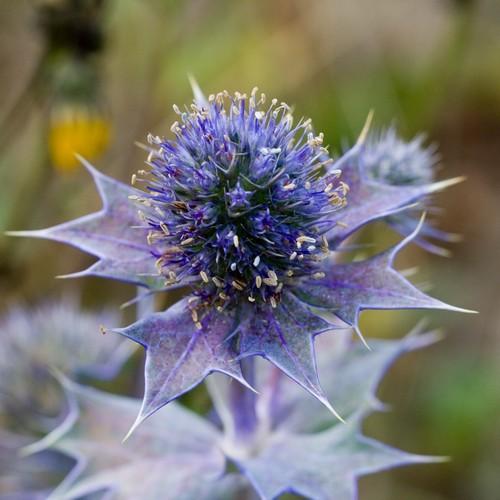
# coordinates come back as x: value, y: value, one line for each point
x: 347, y: 289
x: 369, y: 200
x: 32, y: 477
x: 350, y: 376
x: 181, y: 353
x: 287, y: 458
x: 321, y: 466
x: 175, y: 456
x: 405, y: 222
x: 285, y: 337
x: 115, y: 234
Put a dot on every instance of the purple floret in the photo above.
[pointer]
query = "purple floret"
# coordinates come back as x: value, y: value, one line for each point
x: 241, y: 199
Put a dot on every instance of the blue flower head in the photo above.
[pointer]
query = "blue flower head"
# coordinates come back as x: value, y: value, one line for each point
x: 54, y: 336
x: 389, y: 159
x: 242, y: 199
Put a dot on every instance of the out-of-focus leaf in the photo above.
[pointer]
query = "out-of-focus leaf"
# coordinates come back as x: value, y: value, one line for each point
x: 175, y: 456
x: 350, y: 377
x: 32, y: 477
x: 321, y: 466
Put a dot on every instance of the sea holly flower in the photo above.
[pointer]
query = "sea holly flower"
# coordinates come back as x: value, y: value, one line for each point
x: 387, y: 160
x: 295, y: 445
x: 247, y: 208
x: 56, y: 335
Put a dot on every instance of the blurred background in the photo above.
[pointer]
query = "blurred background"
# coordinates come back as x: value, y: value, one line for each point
x: 97, y: 75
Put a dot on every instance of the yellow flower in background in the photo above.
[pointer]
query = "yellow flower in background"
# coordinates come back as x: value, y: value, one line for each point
x: 77, y: 129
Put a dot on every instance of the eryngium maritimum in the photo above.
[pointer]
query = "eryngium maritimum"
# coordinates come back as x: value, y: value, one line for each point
x: 56, y: 335
x: 388, y: 158
x: 245, y: 210
x: 241, y: 198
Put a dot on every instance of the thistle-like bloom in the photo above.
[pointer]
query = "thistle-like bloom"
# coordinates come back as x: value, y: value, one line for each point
x: 241, y: 200
x: 387, y: 159
x: 57, y: 335
x: 390, y: 160
x: 246, y: 208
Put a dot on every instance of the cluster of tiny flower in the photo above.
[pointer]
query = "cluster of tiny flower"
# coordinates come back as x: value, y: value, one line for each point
x: 389, y: 159
x: 241, y: 198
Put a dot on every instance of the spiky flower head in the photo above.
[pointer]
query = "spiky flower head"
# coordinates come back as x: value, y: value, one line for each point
x: 389, y: 159
x: 241, y: 198
x: 56, y: 335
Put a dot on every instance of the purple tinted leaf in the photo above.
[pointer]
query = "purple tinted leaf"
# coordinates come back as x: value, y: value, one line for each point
x: 404, y: 223
x: 115, y: 234
x: 321, y: 466
x: 347, y: 289
x: 326, y: 464
x: 159, y: 461
x: 128, y: 481
x: 180, y: 355
x: 369, y: 200
x: 361, y: 371
x: 32, y: 477
x: 285, y: 337
x: 136, y: 271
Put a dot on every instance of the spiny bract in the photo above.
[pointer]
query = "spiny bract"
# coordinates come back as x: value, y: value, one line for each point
x: 241, y: 198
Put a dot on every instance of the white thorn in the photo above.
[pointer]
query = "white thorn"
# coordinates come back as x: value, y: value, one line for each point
x: 366, y: 128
